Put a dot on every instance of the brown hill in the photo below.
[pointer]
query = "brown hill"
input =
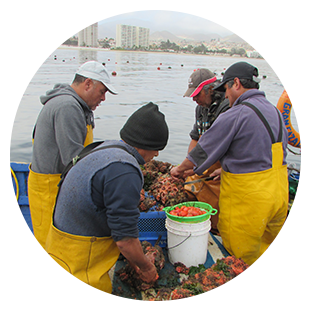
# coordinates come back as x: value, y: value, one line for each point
x: 267, y: 35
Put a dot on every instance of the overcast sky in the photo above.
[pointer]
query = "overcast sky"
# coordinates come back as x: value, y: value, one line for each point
x: 197, y: 16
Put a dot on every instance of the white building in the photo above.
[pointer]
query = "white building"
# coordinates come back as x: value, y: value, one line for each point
x: 129, y: 36
x: 89, y: 36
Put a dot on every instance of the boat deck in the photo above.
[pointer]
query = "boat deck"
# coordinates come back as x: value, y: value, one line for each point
x: 25, y: 283
x: 33, y: 289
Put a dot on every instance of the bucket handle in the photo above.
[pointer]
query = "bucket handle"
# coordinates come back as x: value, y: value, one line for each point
x: 180, y: 242
x: 213, y: 212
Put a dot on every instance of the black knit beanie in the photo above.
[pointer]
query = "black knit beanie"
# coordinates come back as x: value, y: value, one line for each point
x: 146, y: 129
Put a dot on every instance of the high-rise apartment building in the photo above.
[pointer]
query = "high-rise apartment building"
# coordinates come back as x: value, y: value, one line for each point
x: 89, y: 36
x: 129, y: 36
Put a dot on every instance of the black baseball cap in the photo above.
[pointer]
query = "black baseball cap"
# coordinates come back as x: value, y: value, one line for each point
x: 241, y: 70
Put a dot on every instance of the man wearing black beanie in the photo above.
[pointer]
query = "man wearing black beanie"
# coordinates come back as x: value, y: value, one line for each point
x: 96, y: 214
x: 146, y: 129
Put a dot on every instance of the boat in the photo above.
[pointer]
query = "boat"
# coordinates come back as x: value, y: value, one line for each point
x: 283, y: 274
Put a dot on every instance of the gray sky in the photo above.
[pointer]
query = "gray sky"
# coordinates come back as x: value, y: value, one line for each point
x: 224, y: 19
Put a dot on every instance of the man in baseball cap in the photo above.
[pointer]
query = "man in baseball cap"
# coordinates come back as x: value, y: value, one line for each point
x: 199, y: 79
x: 64, y: 126
x: 250, y: 141
x: 96, y: 71
x: 210, y: 104
x: 241, y: 70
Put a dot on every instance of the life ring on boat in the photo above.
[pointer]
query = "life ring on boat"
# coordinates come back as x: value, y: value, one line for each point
x: 285, y: 106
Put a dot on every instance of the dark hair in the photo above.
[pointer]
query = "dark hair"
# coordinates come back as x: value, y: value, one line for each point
x: 78, y: 79
x: 248, y: 84
x: 216, y: 95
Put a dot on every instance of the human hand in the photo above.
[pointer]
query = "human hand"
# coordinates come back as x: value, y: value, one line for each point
x: 188, y: 173
x: 216, y: 174
x: 176, y: 173
x: 148, y: 275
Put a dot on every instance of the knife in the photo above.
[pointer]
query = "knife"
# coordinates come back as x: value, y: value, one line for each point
x: 202, y: 179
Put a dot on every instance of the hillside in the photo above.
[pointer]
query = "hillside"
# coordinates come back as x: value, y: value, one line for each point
x: 194, y: 37
x: 267, y: 35
x: 164, y: 36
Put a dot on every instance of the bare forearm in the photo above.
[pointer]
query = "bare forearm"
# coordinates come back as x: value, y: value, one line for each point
x: 132, y: 250
x: 192, y: 144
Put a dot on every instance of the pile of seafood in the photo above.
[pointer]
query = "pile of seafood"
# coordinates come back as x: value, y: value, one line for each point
x: 160, y: 189
x: 129, y: 276
x: 197, y: 280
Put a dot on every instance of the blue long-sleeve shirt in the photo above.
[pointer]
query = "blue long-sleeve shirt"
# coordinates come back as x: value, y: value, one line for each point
x: 100, y: 194
x: 239, y: 139
x: 116, y: 193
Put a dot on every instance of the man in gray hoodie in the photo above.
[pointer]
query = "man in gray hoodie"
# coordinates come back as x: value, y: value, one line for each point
x: 64, y: 126
x: 67, y: 118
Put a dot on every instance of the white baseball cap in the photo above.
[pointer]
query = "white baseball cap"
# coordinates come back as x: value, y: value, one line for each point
x: 96, y: 71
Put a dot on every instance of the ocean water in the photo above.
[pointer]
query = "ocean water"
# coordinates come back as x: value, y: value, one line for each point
x: 138, y: 81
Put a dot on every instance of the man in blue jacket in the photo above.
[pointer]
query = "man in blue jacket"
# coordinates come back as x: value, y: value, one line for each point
x: 250, y: 141
x: 96, y: 213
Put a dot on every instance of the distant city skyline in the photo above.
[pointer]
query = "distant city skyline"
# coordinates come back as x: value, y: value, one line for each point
x: 89, y: 36
x: 221, y: 21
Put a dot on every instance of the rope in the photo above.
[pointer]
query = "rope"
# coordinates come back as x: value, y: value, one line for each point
x: 12, y: 209
x: 295, y: 153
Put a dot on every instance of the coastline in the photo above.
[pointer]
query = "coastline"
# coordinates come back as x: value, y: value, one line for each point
x: 99, y: 49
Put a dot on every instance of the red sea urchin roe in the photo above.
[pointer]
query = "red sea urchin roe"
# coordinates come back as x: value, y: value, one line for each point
x: 183, y: 295
x: 185, y: 211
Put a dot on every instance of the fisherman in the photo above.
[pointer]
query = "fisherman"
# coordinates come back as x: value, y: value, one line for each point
x: 64, y: 126
x: 96, y: 214
x: 210, y: 104
x: 250, y: 141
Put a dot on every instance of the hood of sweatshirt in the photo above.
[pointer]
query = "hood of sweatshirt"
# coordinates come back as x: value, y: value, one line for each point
x: 62, y: 89
x: 65, y: 89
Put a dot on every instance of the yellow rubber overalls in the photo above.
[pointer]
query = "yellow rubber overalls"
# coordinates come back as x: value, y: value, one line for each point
x: 42, y: 192
x: 87, y: 258
x: 253, y: 206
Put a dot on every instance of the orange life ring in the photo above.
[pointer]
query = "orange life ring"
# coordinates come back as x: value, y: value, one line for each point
x: 285, y: 106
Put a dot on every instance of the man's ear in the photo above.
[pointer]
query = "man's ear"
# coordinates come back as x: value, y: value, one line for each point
x: 237, y: 83
x: 88, y: 83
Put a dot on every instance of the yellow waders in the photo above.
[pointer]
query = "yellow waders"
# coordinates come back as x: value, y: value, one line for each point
x: 87, y: 258
x: 253, y: 208
x: 42, y: 192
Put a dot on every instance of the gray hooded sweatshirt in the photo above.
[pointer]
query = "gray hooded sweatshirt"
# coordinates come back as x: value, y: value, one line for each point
x: 60, y: 130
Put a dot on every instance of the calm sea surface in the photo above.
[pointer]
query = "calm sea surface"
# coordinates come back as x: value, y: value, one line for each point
x: 138, y: 82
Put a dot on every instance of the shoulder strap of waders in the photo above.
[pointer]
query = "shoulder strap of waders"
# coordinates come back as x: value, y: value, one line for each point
x: 90, y: 148
x: 265, y: 122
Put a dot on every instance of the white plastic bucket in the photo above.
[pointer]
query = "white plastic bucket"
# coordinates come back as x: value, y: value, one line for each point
x: 187, y: 242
